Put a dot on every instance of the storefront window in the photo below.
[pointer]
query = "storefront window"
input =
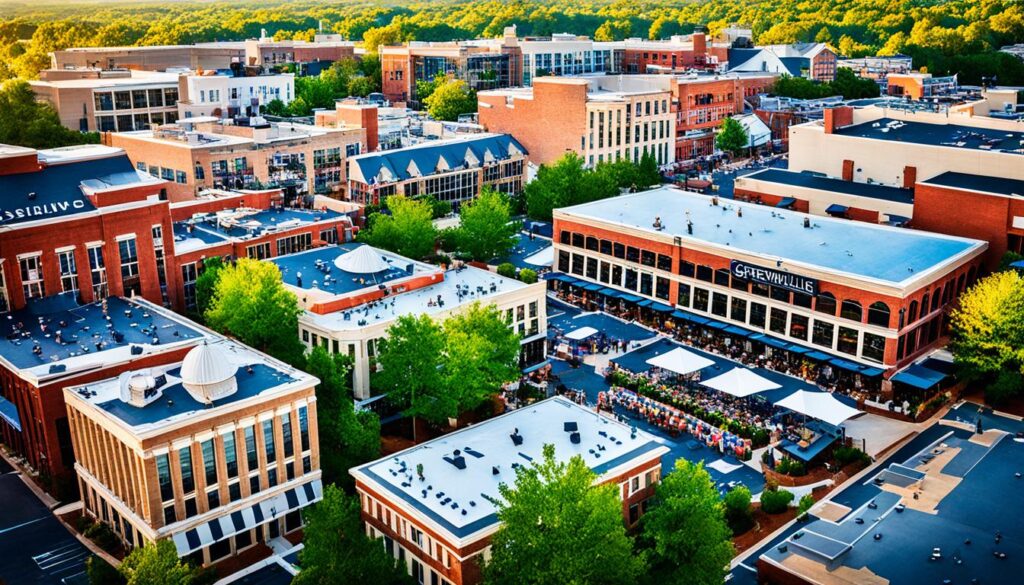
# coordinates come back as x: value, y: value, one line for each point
x: 823, y: 333
x: 778, y: 321
x: 798, y: 327
x: 847, y: 341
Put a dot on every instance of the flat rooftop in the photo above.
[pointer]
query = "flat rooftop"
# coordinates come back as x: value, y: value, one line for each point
x: 821, y: 183
x: 464, y: 501
x: 242, y: 224
x: 948, y: 135
x: 461, y: 286
x: 255, y: 375
x: 993, y: 185
x: 851, y: 248
x: 71, y: 336
x: 318, y: 270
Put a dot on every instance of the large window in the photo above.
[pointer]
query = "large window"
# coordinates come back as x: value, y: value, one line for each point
x: 851, y: 310
x: 268, y: 440
x: 32, y: 276
x: 209, y: 462
x: 700, y: 299
x: 738, y: 310
x: 286, y: 435
x: 304, y: 428
x: 873, y: 347
x: 68, y: 271
x: 163, y: 474
x: 98, y: 271
x: 129, y: 266
x: 878, y: 314
x: 296, y: 243
x: 188, y: 482
x: 798, y: 326
x: 847, y: 340
x: 188, y: 280
x: 758, y: 314
x: 161, y: 267
x: 823, y: 333
x: 250, y: 449
x: 778, y: 321
x: 230, y: 454
x: 825, y: 303
x: 719, y: 304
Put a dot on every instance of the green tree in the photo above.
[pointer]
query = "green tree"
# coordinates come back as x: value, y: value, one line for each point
x: 732, y: 137
x: 410, y: 357
x: 647, y: 173
x: 988, y: 335
x: 275, y: 107
x: 425, y: 88
x: 347, y: 438
x: 408, y: 230
x: 481, y: 354
x: 337, y: 550
x: 450, y: 99
x: 564, y: 183
x: 206, y: 283
x: 507, y: 269
x: 528, y: 276
x: 26, y: 122
x: 738, y: 511
x: 438, y: 209
x: 157, y: 564
x: 558, y: 527
x: 99, y: 572
x: 251, y: 303
x: 686, y: 530
x: 486, y: 229
x: 361, y: 86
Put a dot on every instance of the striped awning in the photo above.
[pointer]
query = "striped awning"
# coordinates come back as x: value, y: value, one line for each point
x: 248, y: 518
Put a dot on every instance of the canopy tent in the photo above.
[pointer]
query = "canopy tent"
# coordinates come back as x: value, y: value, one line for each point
x: 820, y: 405
x: 740, y: 382
x: 362, y: 260
x: 680, y: 361
x: 581, y: 333
x: 542, y: 258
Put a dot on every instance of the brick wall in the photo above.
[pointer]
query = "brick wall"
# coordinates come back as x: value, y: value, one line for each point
x: 549, y: 125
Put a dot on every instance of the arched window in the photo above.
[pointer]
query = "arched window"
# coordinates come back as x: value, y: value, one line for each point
x: 878, y: 314
x: 960, y: 284
x: 825, y: 303
x: 924, y: 305
x: 936, y: 301
x: 912, y: 313
x: 851, y: 310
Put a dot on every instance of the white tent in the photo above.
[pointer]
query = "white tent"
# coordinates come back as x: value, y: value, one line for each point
x: 581, y: 333
x: 543, y: 257
x: 680, y: 361
x: 820, y: 405
x: 362, y: 260
x: 740, y: 382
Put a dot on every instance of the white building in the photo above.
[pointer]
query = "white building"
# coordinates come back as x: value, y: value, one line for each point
x: 226, y: 95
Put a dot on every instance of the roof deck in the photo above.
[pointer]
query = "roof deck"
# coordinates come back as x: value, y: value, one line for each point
x: 55, y: 334
x: 242, y: 224
x: 822, y: 183
x: 856, y: 249
x: 462, y: 470
x: 316, y: 269
x: 984, y: 184
x: 947, y: 135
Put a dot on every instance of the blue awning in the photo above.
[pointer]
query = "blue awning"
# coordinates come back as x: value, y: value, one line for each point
x: 772, y: 342
x: 734, y: 330
x: 644, y: 303
x: 846, y: 365
x: 786, y: 202
x: 835, y: 208
x: 610, y: 292
x: 535, y: 367
x: 689, y: 317
x: 9, y: 413
x: 630, y: 298
x: 1017, y: 264
x: 716, y: 325
x: 661, y: 307
x: 817, y: 355
x: 919, y: 376
x: 559, y: 277
x: 872, y: 372
x: 591, y: 287
x: 897, y: 219
x: 794, y: 348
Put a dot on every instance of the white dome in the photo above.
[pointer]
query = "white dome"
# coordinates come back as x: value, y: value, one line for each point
x: 362, y: 260
x: 207, y: 373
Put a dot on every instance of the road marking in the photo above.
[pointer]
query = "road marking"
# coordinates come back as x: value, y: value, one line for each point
x: 23, y: 524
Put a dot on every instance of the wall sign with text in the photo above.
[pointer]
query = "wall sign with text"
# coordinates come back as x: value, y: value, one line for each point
x: 786, y: 280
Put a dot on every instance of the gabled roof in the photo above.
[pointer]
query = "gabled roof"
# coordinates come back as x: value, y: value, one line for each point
x: 431, y: 158
x: 738, y: 57
x: 795, y: 65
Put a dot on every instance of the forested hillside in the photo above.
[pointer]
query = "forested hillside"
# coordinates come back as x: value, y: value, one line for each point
x: 943, y: 35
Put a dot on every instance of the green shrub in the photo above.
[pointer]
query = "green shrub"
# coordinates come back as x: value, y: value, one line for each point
x: 791, y: 467
x: 738, y: 513
x: 102, y: 535
x: 528, y: 276
x: 100, y: 572
x: 847, y: 455
x: 84, y: 522
x: 805, y: 503
x: 507, y: 269
x: 776, y: 501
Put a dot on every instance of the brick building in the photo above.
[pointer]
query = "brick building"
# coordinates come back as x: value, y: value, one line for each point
x: 702, y: 102
x: 481, y: 65
x: 453, y: 171
x: 249, y: 153
x: 864, y: 298
x: 676, y: 54
x: 951, y: 172
x: 601, y: 118
x: 440, y: 523
x: 216, y: 449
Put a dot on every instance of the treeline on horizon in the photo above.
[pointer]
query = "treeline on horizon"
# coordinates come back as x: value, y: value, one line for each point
x: 943, y: 36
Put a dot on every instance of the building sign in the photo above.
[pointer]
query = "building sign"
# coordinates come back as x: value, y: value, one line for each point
x: 40, y: 211
x: 793, y: 282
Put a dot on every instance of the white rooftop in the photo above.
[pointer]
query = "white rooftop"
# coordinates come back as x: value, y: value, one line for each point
x: 463, y: 501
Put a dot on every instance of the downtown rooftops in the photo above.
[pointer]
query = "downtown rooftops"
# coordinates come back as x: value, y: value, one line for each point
x: 945, y: 135
x: 211, y: 229
x: 891, y: 256
x: 821, y: 182
x: 431, y: 158
x: 462, y: 470
x: 55, y: 336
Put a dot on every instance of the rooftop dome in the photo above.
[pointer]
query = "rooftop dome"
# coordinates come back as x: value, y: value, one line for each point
x: 362, y: 260
x: 207, y: 373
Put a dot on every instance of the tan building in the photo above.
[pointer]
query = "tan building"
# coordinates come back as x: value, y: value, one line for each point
x: 202, y: 153
x: 601, y: 118
x: 217, y: 452
x: 92, y: 100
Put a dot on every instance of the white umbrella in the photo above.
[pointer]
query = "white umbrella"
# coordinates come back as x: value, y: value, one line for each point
x: 820, y: 405
x: 740, y: 382
x: 680, y: 361
x: 362, y: 260
x: 543, y: 257
x: 581, y: 333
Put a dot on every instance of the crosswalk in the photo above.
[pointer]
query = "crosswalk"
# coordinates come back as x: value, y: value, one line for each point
x: 65, y: 564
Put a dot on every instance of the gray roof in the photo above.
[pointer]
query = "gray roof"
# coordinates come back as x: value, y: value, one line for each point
x: 995, y: 185
x: 814, y: 181
x: 427, y: 157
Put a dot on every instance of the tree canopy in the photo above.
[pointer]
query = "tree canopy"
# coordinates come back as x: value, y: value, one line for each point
x: 846, y: 84
x: 988, y: 334
x: 251, y: 304
x: 732, y: 137
x: 486, y: 229
x: 408, y: 229
x: 27, y: 122
x: 558, y: 527
x: 568, y: 181
x: 449, y: 99
x: 337, y: 550
x: 157, y: 564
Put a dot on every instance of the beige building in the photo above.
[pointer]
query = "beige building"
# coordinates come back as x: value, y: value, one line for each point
x: 91, y: 100
x: 352, y: 293
x: 202, y: 153
x: 217, y: 452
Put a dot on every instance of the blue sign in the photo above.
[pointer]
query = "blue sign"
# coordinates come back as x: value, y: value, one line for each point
x: 786, y: 280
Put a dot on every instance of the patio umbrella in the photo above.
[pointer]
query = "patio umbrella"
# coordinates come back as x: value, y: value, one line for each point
x: 680, y: 361
x: 740, y: 382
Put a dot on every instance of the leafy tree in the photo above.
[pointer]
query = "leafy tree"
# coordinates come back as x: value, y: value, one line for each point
x: 558, y: 527
x: 738, y: 511
x: 26, y: 122
x: 361, y: 86
x: 647, y: 173
x: 775, y: 500
x: 450, y: 99
x: 347, y: 438
x: 507, y: 269
x: 425, y: 88
x: 988, y: 334
x: 528, y: 276
x: 408, y: 230
x: 438, y: 209
x: 251, y: 303
x: 99, y: 572
x: 564, y: 183
x: 732, y: 137
x: 481, y: 354
x: 686, y: 530
x: 157, y: 564
x: 486, y: 228
x: 275, y: 107
x: 410, y: 357
x: 206, y: 283
x: 337, y: 550
x: 805, y: 504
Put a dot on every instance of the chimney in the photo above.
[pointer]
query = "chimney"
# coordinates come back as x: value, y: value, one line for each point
x: 909, y: 177
x: 836, y: 118
x: 847, y: 169
x: 700, y: 44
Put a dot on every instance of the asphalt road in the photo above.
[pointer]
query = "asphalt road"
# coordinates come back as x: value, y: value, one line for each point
x: 36, y: 548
